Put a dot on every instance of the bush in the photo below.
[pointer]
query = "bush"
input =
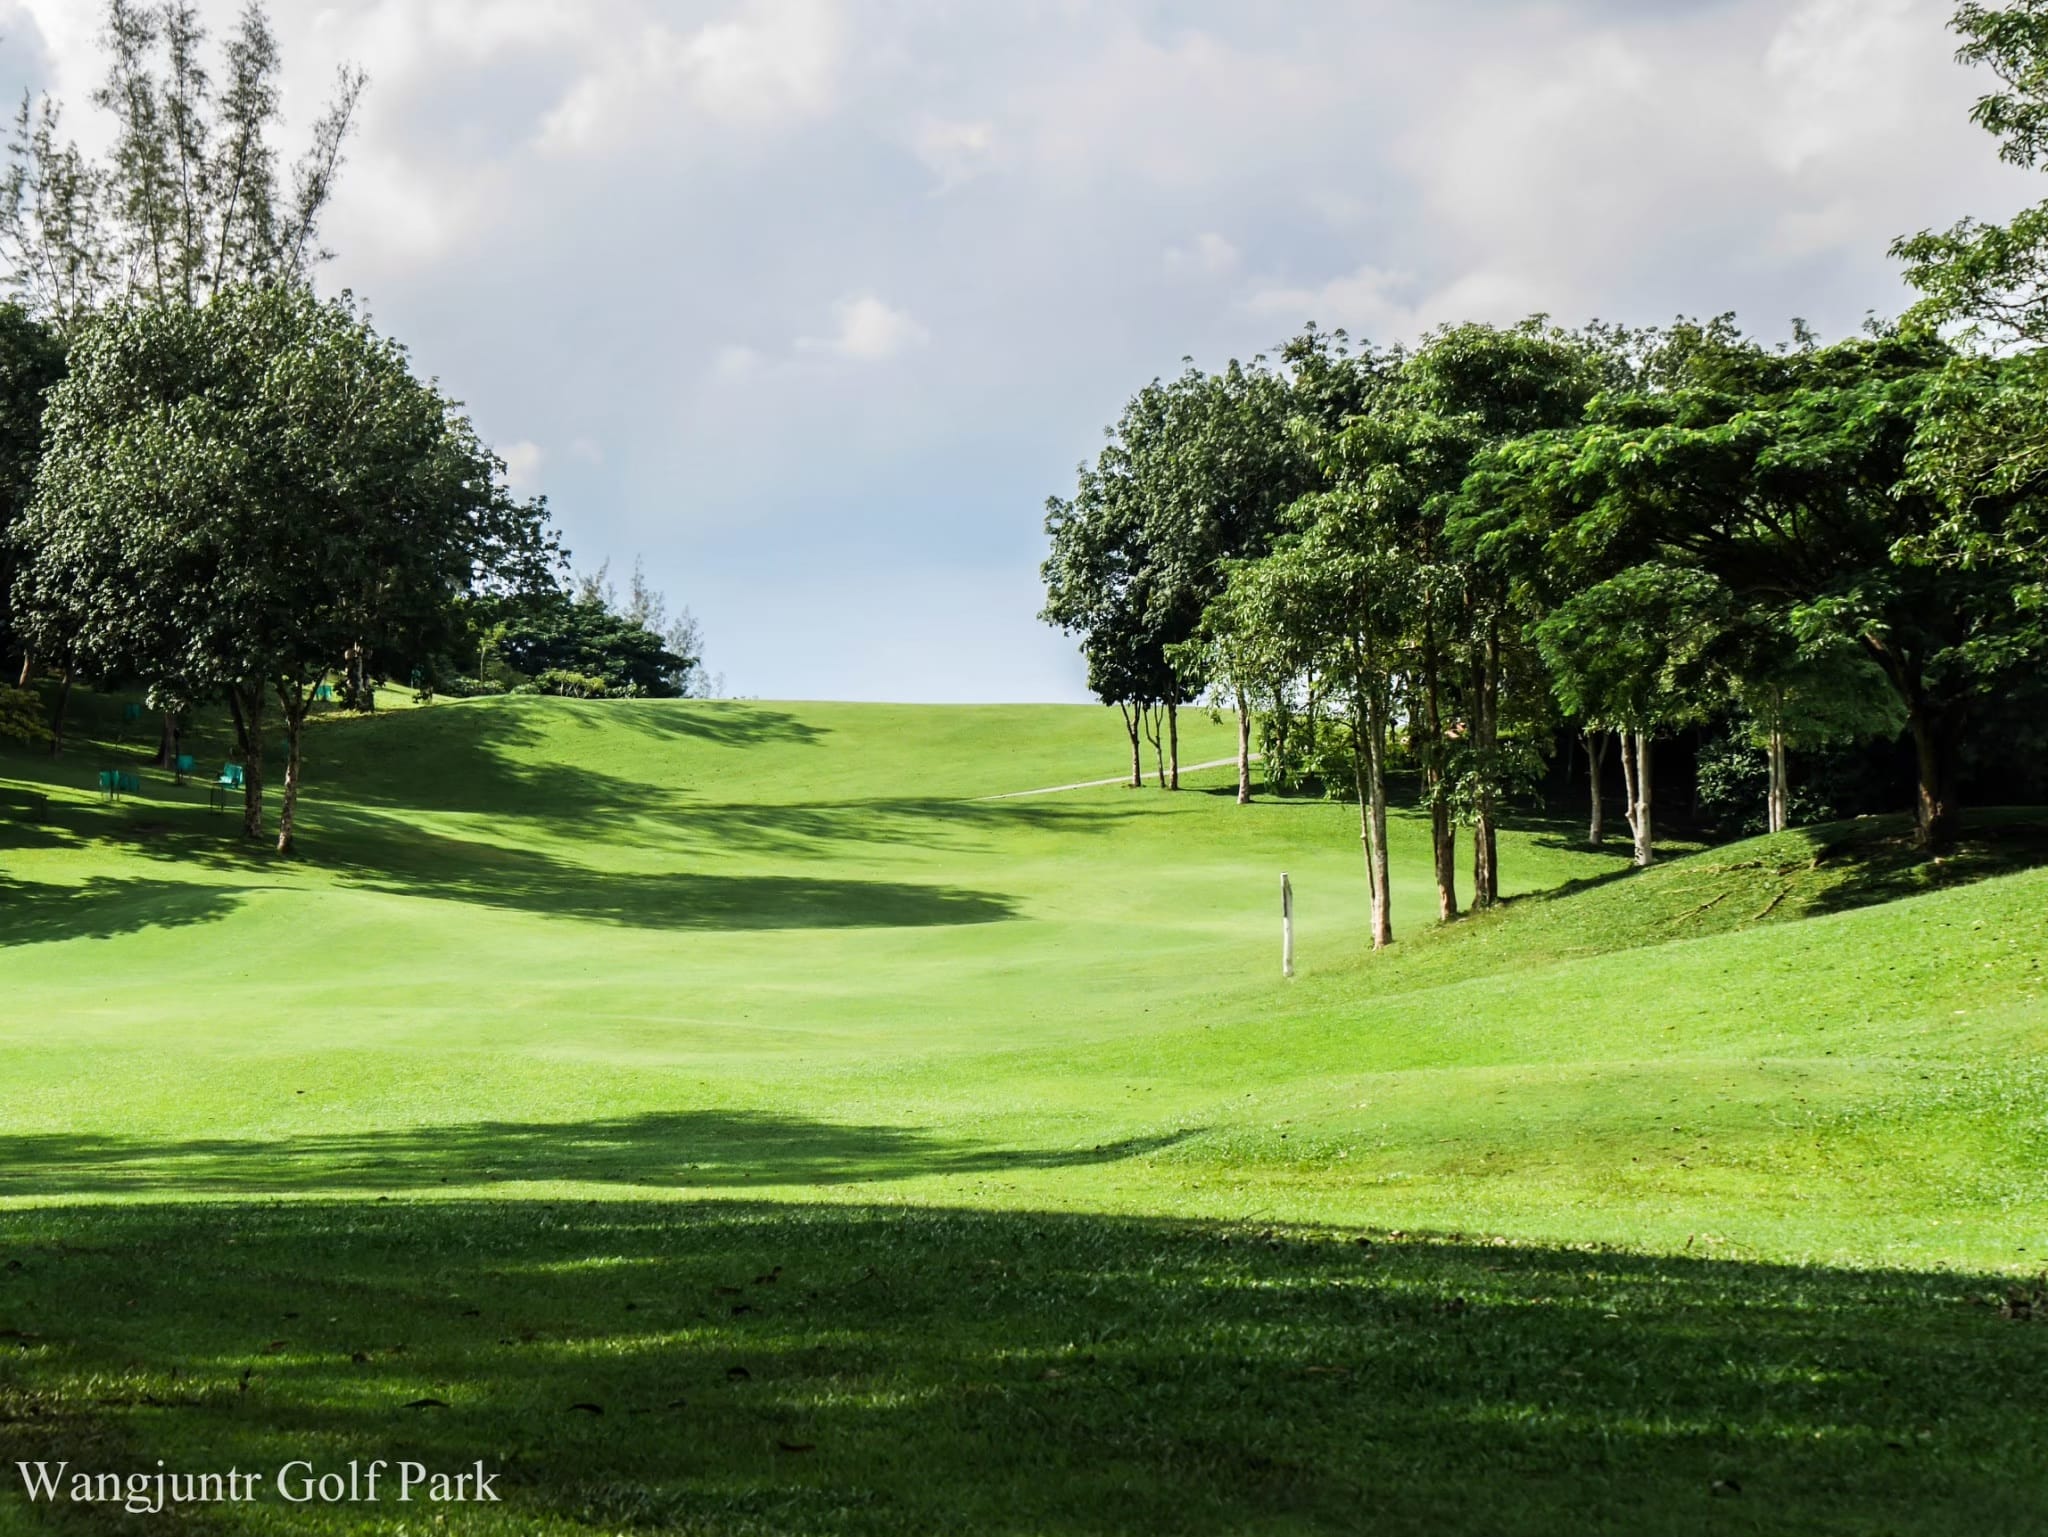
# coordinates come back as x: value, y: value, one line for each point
x: 470, y: 688
x: 570, y: 685
x: 1734, y: 788
x: 22, y: 715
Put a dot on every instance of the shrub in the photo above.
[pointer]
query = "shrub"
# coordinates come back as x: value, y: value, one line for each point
x: 570, y: 685
x: 21, y: 715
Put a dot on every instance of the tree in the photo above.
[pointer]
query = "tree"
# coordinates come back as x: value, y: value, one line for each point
x: 1411, y: 455
x: 1098, y: 584
x: 552, y: 636
x: 1795, y: 696
x: 1197, y: 472
x: 234, y: 494
x: 187, y: 203
x: 1342, y: 592
x: 1796, y: 480
x: 1631, y: 654
x: 31, y: 362
x: 1257, y: 661
x: 1987, y: 274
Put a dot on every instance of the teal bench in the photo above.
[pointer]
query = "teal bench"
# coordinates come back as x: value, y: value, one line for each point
x: 229, y: 783
x: 185, y: 767
x: 115, y: 783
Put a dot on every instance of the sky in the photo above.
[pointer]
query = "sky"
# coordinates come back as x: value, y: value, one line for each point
x: 811, y: 304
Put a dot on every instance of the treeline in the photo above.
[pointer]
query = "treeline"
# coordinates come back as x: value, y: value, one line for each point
x: 221, y: 488
x: 1450, y: 554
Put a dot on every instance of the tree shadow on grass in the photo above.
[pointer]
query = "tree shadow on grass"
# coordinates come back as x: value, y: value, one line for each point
x: 383, y: 857
x: 736, y: 1367
x: 695, y: 1149
x: 467, y: 756
x: 34, y: 912
x: 1874, y: 859
x: 380, y: 852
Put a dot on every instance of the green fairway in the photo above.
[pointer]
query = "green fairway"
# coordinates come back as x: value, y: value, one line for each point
x: 747, y: 1076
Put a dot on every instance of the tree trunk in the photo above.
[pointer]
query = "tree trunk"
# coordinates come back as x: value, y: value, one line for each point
x: 1486, y: 740
x: 249, y: 711
x: 1137, y: 747
x: 1596, y: 762
x: 1312, y: 754
x: 1780, y: 811
x: 1279, y: 770
x: 1244, y: 750
x: 57, y: 713
x: 28, y: 668
x: 1153, y: 733
x: 1937, y: 811
x: 295, y: 701
x: 1376, y: 783
x: 1639, y: 795
x: 1443, y: 837
x: 1443, y: 830
x: 1369, y: 771
x: 357, y: 692
x: 1173, y: 744
x: 167, y: 743
x: 1628, y: 777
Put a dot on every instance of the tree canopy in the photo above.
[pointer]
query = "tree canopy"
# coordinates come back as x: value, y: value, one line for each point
x: 234, y: 495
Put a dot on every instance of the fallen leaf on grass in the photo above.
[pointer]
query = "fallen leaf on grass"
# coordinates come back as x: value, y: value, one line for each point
x: 588, y: 1408
x: 427, y: 1403
x: 796, y: 1446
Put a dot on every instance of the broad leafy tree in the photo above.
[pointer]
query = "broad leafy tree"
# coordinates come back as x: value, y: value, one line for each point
x: 550, y: 636
x: 31, y: 362
x: 1343, y: 595
x: 1197, y: 472
x: 1787, y: 478
x: 1410, y: 456
x: 234, y: 494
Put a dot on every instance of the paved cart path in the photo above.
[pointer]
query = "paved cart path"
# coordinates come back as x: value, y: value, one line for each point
x: 1097, y: 784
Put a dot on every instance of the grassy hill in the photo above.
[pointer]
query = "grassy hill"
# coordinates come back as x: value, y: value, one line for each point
x: 739, y: 1073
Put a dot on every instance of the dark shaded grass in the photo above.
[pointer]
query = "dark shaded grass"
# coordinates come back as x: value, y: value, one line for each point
x: 824, y: 1369
x: 693, y: 1148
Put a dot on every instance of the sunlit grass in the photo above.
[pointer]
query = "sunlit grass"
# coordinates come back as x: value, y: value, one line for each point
x: 575, y: 1022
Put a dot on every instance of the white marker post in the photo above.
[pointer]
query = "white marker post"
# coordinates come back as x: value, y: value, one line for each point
x: 1286, y: 927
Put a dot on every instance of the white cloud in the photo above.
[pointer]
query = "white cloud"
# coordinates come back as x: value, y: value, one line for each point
x: 771, y: 63
x: 523, y: 460
x: 954, y: 152
x: 734, y: 360
x: 1208, y: 253
x: 869, y: 331
x: 1369, y: 301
